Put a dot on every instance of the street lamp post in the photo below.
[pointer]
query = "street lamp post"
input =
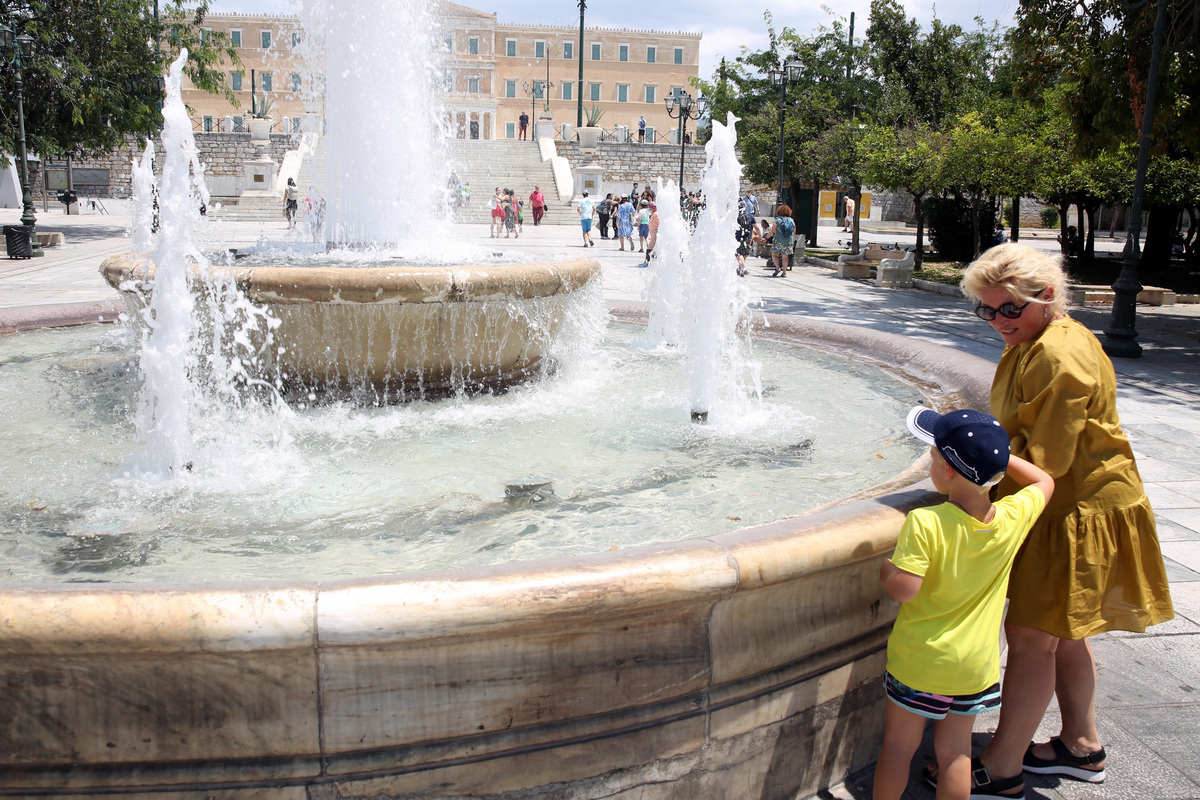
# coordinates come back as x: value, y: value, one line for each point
x: 20, y: 49
x: 786, y: 75
x: 1122, y: 330
x: 535, y: 91
x: 579, y: 88
x: 681, y: 106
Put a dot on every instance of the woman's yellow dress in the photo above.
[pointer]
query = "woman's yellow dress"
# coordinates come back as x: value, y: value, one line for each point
x: 1091, y: 563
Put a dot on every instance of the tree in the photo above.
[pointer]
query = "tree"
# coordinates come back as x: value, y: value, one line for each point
x: 94, y: 73
x: 908, y: 160
x: 976, y: 162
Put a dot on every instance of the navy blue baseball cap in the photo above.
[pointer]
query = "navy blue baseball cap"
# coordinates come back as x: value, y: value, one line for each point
x: 973, y: 443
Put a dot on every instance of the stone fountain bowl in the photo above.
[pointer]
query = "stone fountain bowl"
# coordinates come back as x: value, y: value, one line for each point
x: 430, y: 327
x: 747, y: 664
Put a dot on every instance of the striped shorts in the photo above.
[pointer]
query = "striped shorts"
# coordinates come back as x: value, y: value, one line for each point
x: 937, y: 706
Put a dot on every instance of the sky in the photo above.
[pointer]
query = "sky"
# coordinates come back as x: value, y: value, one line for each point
x: 727, y: 26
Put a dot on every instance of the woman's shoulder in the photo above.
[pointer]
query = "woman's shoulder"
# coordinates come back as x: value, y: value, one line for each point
x: 1065, y: 346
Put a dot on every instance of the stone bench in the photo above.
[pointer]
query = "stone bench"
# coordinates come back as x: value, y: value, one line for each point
x: 895, y: 273
x: 55, y: 239
x: 1149, y: 295
x: 853, y: 266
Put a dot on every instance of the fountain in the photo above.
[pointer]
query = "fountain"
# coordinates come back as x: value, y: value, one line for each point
x: 735, y: 662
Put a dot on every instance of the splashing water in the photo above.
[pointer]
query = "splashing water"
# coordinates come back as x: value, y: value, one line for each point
x: 385, y: 134
x: 697, y: 301
x: 143, y: 200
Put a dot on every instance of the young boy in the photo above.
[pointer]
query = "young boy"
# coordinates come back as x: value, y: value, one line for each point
x: 950, y: 572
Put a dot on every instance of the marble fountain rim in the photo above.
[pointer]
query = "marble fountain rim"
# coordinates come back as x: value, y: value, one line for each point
x: 384, y: 285
x: 946, y: 378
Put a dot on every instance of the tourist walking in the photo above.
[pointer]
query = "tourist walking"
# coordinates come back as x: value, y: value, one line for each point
x: 604, y: 210
x: 1092, y: 562
x: 291, y: 202
x: 509, y: 204
x: 537, y: 201
x: 782, y: 244
x: 643, y: 221
x: 523, y: 121
x: 949, y: 571
x: 625, y: 213
x: 747, y: 227
x: 653, y: 238
x: 497, y: 212
x: 587, y: 208
x: 850, y: 209
x: 641, y: 130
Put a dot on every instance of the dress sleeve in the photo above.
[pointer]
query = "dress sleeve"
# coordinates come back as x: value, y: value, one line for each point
x: 1052, y: 412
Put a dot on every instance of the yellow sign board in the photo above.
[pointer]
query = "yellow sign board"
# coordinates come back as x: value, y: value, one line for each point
x: 829, y: 205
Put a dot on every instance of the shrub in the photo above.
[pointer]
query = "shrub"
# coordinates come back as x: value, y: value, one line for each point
x: 1006, y: 214
x: 1049, y: 218
x: 949, y: 223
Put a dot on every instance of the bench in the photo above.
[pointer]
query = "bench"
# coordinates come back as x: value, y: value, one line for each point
x: 896, y: 273
x: 55, y: 239
x: 1149, y: 295
x: 853, y: 266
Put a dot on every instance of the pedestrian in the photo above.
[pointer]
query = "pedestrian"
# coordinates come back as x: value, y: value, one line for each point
x: 625, y: 213
x: 605, y: 211
x: 1092, y: 561
x: 850, y: 209
x: 497, y: 212
x: 747, y: 226
x: 291, y: 202
x: 653, y: 240
x: 781, y: 234
x: 509, y: 204
x: 643, y: 220
x: 587, y: 209
x: 751, y: 203
x: 633, y: 195
x: 466, y: 194
x: 524, y: 123
x: 537, y: 201
x: 949, y: 572
x: 520, y: 215
x: 642, y: 130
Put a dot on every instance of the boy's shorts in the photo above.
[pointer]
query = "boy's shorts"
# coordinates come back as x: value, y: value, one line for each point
x: 644, y: 230
x: 587, y: 225
x: 936, y: 706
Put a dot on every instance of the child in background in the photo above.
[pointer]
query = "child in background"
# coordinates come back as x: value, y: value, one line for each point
x: 950, y: 572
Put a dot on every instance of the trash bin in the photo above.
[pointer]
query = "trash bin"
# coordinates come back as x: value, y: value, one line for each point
x: 19, y: 240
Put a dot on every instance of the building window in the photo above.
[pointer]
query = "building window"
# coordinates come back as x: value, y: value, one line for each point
x: 205, y: 33
x: 265, y: 38
x: 622, y: 93
x: 447, y: 80
x: 623, y: 53
x: 235, y: 81
x: 473, y: 85
x: 510, y: 48
x: 568, y: 50
x: 650, y: 92
x: 448, y: 43
x: 594, y: 92
x: 539, y: 49
x: 239, y: 124
x: 568, y: 89
x: 678, y: 55
x: 595, y: 51
x: 473, y: 45
x: 208, y: 123
x: 266, y: 82
x: 296, y: 39
x: 510, y: 130
x: 296, y: 124
x: 651, y: 54
x: 235, y: 38
x: 510, y: 88
x: 295, y: 81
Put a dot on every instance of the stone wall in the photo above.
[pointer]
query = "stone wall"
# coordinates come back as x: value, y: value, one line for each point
x: 221, y: 154
x: 627, y: 163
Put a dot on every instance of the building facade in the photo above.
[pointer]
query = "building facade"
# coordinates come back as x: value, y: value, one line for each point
x: 491, y: 73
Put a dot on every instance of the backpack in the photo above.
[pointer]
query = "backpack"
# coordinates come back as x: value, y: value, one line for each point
x: 787, y: 227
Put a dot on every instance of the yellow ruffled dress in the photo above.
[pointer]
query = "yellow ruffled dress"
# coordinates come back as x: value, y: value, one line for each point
x: 1091, y: 563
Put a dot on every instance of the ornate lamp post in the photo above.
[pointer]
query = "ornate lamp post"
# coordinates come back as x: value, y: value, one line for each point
x: 536, y: 90
x: 681, y: 106
x: 19, y: 50
x: 579, y: 88
x: 785, y: 75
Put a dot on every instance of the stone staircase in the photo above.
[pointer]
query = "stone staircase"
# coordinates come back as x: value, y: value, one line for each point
x: 512, y: 164
x: 485, y: 164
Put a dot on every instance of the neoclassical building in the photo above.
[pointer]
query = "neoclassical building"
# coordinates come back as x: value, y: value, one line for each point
x: 491, y: 73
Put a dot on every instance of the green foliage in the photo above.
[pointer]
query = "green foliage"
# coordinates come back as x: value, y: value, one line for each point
x: 1049, y: 218
x: 951, y: 229
x: 264, y: 107
x: 593, y: 115
x: 94, y: 75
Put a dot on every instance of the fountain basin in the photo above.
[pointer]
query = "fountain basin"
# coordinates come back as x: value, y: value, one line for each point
x: 428, y: 327
x: 746, y: 663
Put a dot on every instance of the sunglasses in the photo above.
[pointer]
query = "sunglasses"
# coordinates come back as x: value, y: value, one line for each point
x: 1006, y: 310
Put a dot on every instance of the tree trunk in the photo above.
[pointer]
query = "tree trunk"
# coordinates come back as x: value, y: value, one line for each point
x: 856, y: 193
x: 975, y: 203
x: 816, y: 211
x: 1156, y: 255
x: 1089, y: 243
x: 1016, y: 218
x: 919, y: 255
x: 1064, y: 243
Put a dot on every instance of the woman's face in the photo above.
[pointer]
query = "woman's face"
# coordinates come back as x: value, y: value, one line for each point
x: 1024, y: 328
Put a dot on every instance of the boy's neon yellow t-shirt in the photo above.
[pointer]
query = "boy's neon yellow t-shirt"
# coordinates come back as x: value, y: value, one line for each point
x: 946, y: 638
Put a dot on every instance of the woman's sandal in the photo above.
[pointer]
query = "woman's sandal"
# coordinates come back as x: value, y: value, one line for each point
x: 983, y: 787
x: 1066, y: 763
